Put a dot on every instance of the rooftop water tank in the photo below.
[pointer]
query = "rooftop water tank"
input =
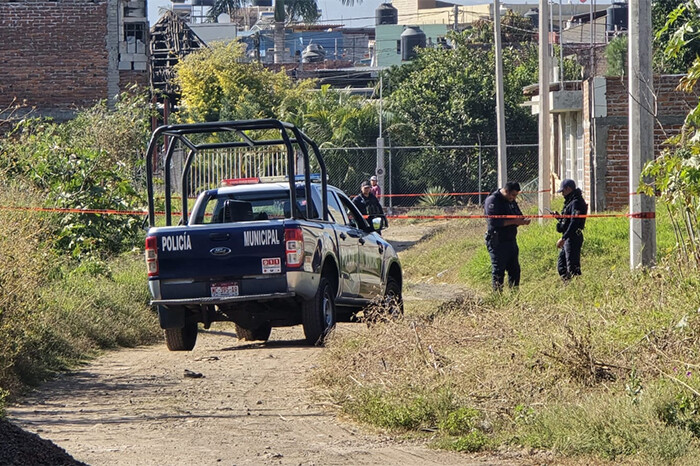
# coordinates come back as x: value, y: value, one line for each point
x: 616, y: 17
x: 411, y: 38
x: 313, y: 53
x: 262, y: 2
x: 386, y: 14
x: 533, y: 14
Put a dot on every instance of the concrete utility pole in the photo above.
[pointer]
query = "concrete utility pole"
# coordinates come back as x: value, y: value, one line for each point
x: 500, y: 107
x: 278, y: 33
x: 641, y: 134
x: 379, y: 170
x: 545, y: 188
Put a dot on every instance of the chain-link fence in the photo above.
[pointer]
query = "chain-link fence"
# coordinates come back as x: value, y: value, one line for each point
x: 425, y: 176
x: 432, y: 176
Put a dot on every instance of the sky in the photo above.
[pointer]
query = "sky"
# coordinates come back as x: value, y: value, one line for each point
x: 359, y: 15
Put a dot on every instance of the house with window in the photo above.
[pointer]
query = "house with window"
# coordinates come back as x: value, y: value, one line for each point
x: 590, y: 135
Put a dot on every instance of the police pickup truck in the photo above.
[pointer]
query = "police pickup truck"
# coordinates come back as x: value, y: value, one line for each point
x: 261, y: 254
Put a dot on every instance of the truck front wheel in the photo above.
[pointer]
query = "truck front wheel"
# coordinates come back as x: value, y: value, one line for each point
x: 254, y: 334
x: 181, y: 339
x: 318, y: 313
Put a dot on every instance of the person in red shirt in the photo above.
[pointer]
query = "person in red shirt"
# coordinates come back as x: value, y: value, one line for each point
x: 376, y: 189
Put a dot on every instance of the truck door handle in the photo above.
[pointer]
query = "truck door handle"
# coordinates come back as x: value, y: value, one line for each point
x: 381, y: 249
x: 343, y: 236
x: 361, y: 241
x: 219, y: 236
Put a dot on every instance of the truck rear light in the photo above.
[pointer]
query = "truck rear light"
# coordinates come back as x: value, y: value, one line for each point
x: 152, y: 256
x: 294, y: 245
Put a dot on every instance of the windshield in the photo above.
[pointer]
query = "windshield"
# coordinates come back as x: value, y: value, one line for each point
x: 248, y: 207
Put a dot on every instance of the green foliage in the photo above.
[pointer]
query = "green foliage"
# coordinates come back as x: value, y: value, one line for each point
x: 90, y: 162
x: 460, y: 421
x: 405, y: 413
x: 682, y: 411
x: 447, y: 97
x: 216, y: 85
x: 435, y: 196
x: 514, y: 28
x: 675, y: 178
x: 602, y: 367
x: 616, y: 55
x: 675, y: 26
x: 608, y: 427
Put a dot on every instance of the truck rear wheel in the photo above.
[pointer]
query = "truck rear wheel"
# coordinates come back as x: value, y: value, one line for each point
x: 181, y: 339
x: 318, y: 314
x: 254, y: 334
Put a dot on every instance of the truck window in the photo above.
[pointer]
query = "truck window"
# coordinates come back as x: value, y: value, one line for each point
x: 354, y: 217
x: 250, y: 206
x: 335, y: 210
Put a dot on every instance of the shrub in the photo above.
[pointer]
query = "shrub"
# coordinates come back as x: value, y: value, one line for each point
x: 90, y: 163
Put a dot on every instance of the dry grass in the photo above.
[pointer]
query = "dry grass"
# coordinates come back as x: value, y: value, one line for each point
x: 603, y: 369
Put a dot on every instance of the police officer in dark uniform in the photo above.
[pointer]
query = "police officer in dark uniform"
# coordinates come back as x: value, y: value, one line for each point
x: 501, y: 235
x: 366, y: 202
x: 571, y: 228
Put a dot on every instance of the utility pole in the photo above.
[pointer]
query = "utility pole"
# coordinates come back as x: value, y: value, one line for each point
x: 278, y: 34
x: 456, y: 23
x: 641, y: 134
x: 544, y: 175
x: 379, y: 171
x: 500, y: 107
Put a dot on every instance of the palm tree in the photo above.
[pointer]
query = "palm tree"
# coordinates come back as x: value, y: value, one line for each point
x: 228, y: 7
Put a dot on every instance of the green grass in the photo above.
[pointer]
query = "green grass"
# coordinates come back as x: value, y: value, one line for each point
x: 55, y: 313
x: 601, y: 369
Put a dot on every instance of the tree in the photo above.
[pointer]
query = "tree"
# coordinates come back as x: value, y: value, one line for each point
x: 447, y: 97
x: 514, y: 28
x: 216, y: 85
x: 667, y: 15
x: 675, y: 175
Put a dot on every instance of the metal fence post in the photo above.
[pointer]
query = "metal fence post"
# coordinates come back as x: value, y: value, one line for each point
x: 480, y: 170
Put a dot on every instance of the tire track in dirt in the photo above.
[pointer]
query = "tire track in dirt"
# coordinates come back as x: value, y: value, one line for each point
x: 253, y: 405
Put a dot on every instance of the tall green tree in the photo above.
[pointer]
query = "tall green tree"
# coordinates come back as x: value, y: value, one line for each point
x: 447, y: 97
x: 217, y: 85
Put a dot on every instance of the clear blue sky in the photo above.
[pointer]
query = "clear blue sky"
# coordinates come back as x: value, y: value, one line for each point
x: 361, y: 14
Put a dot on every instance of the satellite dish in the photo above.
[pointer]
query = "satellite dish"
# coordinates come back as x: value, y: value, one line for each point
x: 223, y: 18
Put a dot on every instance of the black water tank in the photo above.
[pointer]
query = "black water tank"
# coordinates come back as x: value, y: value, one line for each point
x: 411, y: 38
x: 616, y: 17
x: 262, y: 2
x: 386, y: 14
x: 203, y: 2
x: 533, y: 14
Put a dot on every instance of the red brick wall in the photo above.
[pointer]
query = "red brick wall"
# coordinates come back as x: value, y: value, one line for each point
x: 670, y: 103
x: 53, y: 54
x: 127, y: 78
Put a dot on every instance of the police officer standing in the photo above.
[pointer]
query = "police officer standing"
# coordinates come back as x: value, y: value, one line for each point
x: 501, y: 235
x: 366, y: 202
x: 571, y: 228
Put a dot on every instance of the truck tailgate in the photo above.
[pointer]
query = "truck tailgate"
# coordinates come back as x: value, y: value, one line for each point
x: 225, y: 260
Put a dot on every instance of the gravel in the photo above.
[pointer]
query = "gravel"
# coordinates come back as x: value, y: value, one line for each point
x: 19, y: 447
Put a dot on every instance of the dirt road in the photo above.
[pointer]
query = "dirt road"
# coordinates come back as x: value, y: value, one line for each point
x: 226, y: 402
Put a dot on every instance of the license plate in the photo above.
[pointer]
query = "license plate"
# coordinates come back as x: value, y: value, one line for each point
x: 224, y: 290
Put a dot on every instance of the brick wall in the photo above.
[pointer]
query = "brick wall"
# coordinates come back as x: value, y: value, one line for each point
x: 672, y: 107
x: 127, y: 78
x: 53, y: 54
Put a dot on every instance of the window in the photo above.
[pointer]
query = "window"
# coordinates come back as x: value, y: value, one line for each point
x: 334, y: 209
x: 353, y: 217
x: 134, y: 32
